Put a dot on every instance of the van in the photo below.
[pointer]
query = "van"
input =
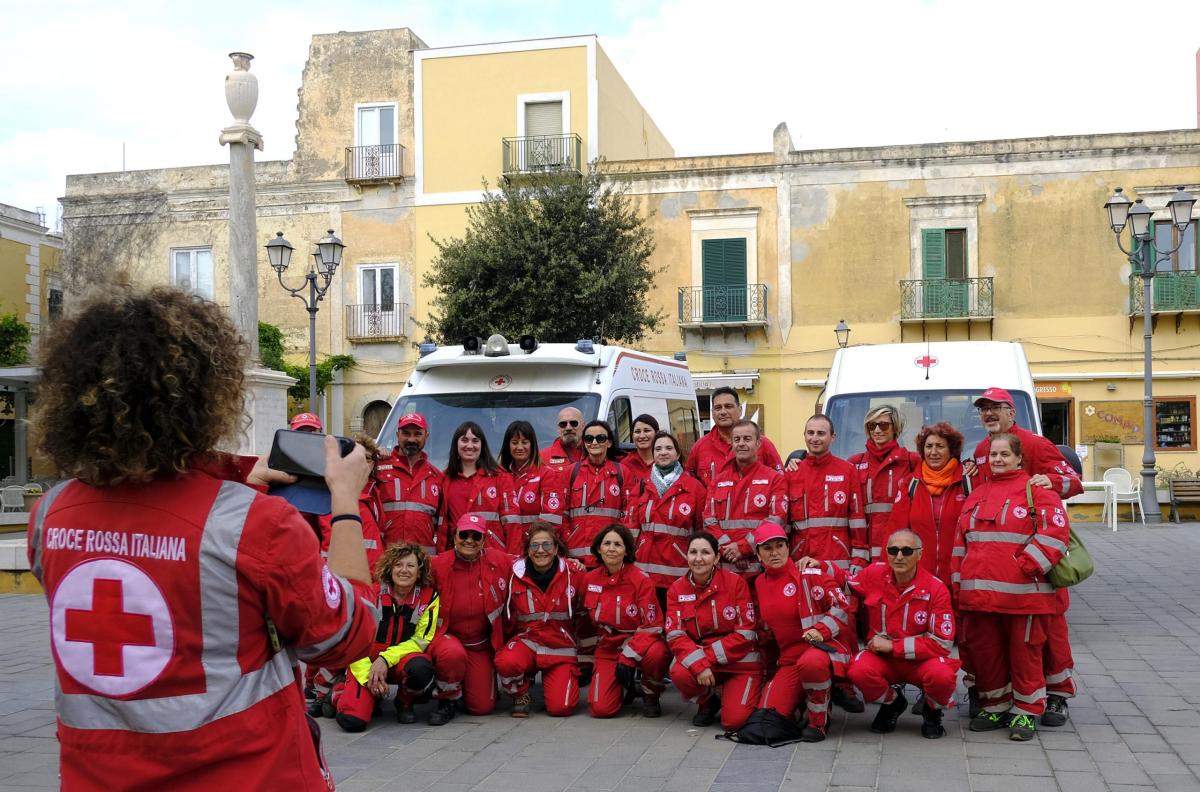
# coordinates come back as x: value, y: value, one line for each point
x: 928, y: 383
x: 496, y: 383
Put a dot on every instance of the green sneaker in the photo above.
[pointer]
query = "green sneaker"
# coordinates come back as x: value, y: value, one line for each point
x: 989, y: 721
x: 1021, y: 728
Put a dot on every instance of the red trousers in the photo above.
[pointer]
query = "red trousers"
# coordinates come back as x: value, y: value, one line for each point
x: 874, y: 675
x: 1057, y: 662
x: 739, y: 691
x: 356, y: 704
x: 517, y: 664
x: 803, y: 674
x: 1006, y: 650
x: 466, y: 673
x: 605, y: 695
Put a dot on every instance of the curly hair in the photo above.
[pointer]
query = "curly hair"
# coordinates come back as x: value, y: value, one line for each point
x: 947, y: 432
x: 137, y: 384
x: 393, y: 554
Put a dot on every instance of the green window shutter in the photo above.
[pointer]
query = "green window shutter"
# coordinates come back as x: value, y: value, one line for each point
x: 723, y: 270
x: 933, y: 271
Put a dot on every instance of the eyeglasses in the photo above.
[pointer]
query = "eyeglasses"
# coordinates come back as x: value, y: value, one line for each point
x: 595, y: 439
x: 565, y: 424
x: 992, y: 408
x: 904, y: 551
x: 470, y: 536
x: 873, y: 425
x: 541, y: 545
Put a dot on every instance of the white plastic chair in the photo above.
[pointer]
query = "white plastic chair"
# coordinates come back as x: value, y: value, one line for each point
x: 1126, y: 490
x: 12, y: 499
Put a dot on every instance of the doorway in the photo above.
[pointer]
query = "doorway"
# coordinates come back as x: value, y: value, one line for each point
x: 1058, y: 421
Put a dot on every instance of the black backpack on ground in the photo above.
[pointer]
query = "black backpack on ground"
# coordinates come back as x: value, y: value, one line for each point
x: 766, y: 727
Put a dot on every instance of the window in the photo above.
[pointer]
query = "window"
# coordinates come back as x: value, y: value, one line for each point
x: 1176, y: 286
x: 1174, y: 424
x: 723, y: 277
x: 682, y: 414
x: 192, y: 270
x: 378, y: 286
x: 543, y: 118
x: 944, y: 271
x: 377, y: 125
x: 379, y: 315
x: 1166, y: 236
x: 377, y: 154
x: 620, y: 418
x: 54, y: 302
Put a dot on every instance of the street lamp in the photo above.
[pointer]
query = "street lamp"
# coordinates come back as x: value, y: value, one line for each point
x: 1144, y: 258
x: 842, y: 332
x: 326, y: 259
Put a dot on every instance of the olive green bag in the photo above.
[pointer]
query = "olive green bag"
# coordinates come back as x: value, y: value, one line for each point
x: 1076, y: 565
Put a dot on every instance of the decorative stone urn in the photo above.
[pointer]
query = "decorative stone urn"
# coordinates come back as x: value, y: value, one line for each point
x: 241, y: 88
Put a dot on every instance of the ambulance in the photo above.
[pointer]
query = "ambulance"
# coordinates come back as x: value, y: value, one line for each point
x: 928, y: 383
x: 494, y: 383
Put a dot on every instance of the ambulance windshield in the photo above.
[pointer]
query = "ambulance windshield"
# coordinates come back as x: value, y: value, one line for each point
x: 493, y: 411
x: 919, y: 408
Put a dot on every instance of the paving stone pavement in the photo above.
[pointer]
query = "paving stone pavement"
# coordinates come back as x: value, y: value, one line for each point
x: 1134, y: 726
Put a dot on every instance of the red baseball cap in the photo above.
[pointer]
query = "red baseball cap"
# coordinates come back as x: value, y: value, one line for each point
x: 998, y: 395
x: 305, y: 421
x: 412, y: 419
x: 766, y: 531
x: 471, y: 522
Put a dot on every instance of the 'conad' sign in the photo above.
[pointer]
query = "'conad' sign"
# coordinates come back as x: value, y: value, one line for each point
x: 1108, y: 419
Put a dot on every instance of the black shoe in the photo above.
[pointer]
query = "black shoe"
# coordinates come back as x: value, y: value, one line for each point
x: 350, y: 723
x: 310, y: 693
x: 919, y: 705
x: 405, y: 714
x: 1056, y: 711
x: 848, y: 700
x: 885, y: 719
x: 650, y: 706
x: 973, y: 707
x: 989, y: 721
x: 315, y: 706
x: 812, y: 734
x: 706, y: 713
x: 442, y: 713
x: 328, y: 710
x: 931, y: 723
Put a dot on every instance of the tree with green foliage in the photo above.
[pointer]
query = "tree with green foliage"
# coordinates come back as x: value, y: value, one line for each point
x: 561, y: 258
x: 14, y: 340
x: 270, y: 349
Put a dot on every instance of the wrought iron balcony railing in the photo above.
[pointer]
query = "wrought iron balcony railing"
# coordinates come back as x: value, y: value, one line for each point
x: 946, y: 298
x: 375, y: 163
x: 543, y: 154
x: 376, y: 322
x: 723, y: 305
x: 1171, y: 292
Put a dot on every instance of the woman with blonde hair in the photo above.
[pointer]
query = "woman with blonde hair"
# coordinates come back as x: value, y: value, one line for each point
x: 882, y: 466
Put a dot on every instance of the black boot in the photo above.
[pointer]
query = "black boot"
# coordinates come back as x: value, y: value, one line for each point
x: 812, y: 734
x: 404, y: 713
x: 847, y: 699
x: 931, y: 723
x: 442, y: 713
x: 706, y: 713
x: 885, y: 719
x: 1056, y: 711
x: 973, y: 707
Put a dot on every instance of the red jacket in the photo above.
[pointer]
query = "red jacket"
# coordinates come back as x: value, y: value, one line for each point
x: 713, y: 626
x: 880, y: 481
x: 412, y: 500
x: 791, y: 602
x: 370, y: 509
x: 580, y: 501
x: 624, y: 610
x: 661, y: 524
x: 162, y: 599
x: 1000, y: 564
x: 826, y: 513
x: 711, y: 453
x: 556, y: 458
x: 636, y: 474
x: 494, y: 569
x: 1039, y: 455
x: 545, y: 621
x: 919, y: 619
x: 936, y: 525
x: 521, y: 506
x: 739, y: 500
x: 487, y: 499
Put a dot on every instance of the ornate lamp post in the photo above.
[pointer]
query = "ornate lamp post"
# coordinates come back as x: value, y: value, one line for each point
x: 842, y: 333
x: 1144, y: 259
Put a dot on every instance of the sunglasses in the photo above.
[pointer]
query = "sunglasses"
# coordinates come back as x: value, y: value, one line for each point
x: 879, y: 425
x: 541, y: 545
x: 904, y: 551
x: 594, y: 439
x: 565, y: 424
x: 470, y: 536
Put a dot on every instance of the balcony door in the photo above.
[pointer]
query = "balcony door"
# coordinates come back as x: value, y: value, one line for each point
x: 1176, y: 286
x: 944, y: 272
x: 723, y: 270
x: 543, y: 147
x: 379, y: 315
x: 376, y: 154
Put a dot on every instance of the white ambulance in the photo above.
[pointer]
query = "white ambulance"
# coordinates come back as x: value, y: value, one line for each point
x: 495, y: 383
x: 927, y: 382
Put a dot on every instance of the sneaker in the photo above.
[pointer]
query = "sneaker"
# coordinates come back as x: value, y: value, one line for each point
x: 931, y: 722
x: 1021, y: 728
x: 442, y: 713
x: 885, y: 719
x: 404, y: 713
x: 706, y: 713
x: 521, y: 705
x: 314, y: 708
x: 973, y: 708
x: 650, y: 706
x: 1056, y: 711
x: 847, y: 699
x: 989, y: 721
x: 812, y: 734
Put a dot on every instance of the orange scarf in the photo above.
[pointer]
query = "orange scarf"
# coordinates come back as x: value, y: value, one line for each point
x: 936, y: 481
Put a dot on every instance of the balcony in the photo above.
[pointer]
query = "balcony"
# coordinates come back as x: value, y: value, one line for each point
x: 367, y: 323
x: 946, y: 300
x: 723, y: 307
x: 375, y: 164
x: 1175, y: 293
x: 543, y: 154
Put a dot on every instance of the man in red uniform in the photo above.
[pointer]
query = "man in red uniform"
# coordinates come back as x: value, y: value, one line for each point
x: 743, y: 494
x: 305, y: 422
x: 911, y: 629
x: 411, y: 488
x: 1046, y: 468
x: 566, y: 449
x: 713, y: 451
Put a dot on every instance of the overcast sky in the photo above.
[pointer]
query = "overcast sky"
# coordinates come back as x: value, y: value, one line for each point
x: 81, y: 79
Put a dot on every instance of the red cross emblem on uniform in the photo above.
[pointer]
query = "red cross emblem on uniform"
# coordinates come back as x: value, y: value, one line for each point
x: 926, y: 361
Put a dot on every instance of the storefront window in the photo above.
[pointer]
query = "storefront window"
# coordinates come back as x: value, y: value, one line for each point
x: 1174, y: 424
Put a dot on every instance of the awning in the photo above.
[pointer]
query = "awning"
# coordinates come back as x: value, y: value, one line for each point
x: 710, y: 381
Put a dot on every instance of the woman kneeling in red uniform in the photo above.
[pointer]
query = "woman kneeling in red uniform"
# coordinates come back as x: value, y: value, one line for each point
x: 540, y: 621
x: 711, y: 631
x: 407, y: 624
x: 620, y: 600
x: 911, y: 629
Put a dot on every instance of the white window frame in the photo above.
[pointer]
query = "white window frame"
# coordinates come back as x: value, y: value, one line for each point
x: 553, y: 96
x: 359, y: 106
x: 943, y: 211
x: 193, y: 250
x: 363, y: 268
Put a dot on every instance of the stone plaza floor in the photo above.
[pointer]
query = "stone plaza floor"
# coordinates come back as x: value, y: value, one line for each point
x: 1135, y: 725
